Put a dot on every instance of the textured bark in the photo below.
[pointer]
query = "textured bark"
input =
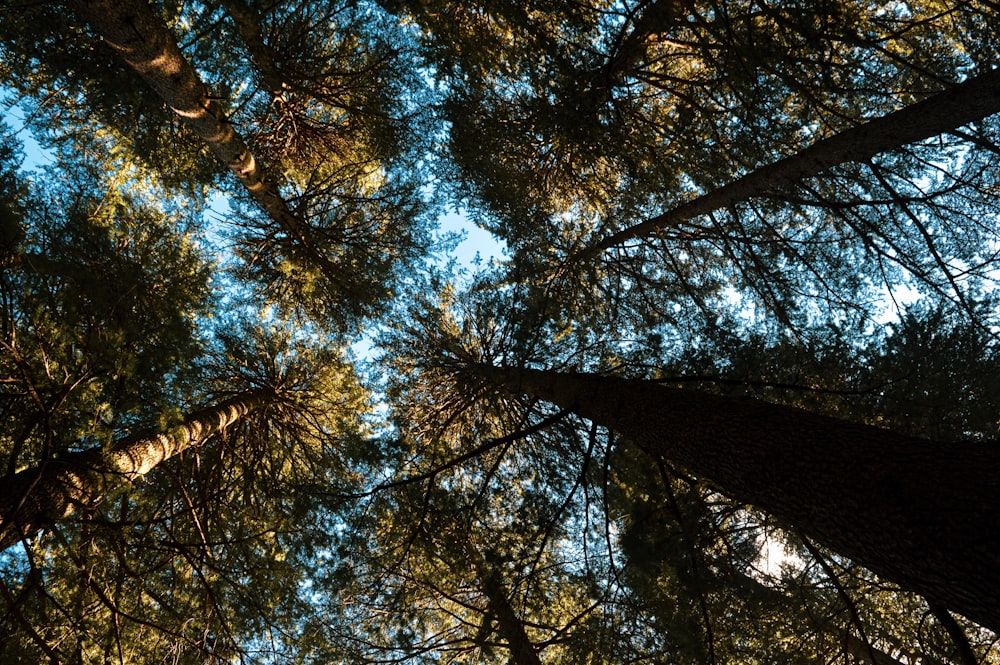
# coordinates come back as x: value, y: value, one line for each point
x: 37, y: 498
x: 143, y: 41
x: 923, y: 514
x: 973, y: 100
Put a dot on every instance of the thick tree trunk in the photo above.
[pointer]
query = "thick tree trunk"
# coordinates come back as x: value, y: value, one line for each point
x: 968, y: 102
x: 923, y: 514
x: 37, y: 498
x: 143, y: 41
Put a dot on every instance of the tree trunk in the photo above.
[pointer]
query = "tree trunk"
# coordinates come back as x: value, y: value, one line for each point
x: 923, y: 514
x: 248, y: 27
x: 142, y: 39
x: 37, y: 498
x: 973, y: 100
x: 522, y: 649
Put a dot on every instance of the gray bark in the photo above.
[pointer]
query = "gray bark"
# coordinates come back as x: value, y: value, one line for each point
x: 37, y: 498
x: 923, y: 514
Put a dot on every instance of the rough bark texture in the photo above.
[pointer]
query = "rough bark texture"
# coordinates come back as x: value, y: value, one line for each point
x: 968, y: 102
x: 37, y: 498
x: 923, y: 514
x: 143, y: 41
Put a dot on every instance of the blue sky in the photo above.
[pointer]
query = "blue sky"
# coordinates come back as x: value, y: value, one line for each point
x: 477, y: 242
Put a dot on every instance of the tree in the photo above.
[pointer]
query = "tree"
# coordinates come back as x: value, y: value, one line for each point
x: 687, y: 556
x: 207, y: 556
x: 968, y: 102
x: 129, y: 530
x: 559, y: 143
x: 336, y: 213
x: 38, y: 497
x: 145, y: 44
x: 601, y: 111
x: 462, y: 561
x: 612, y: 508
x: 452, y: 390
x: 870, y: 494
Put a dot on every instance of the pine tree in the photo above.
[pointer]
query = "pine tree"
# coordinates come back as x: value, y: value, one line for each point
x: 882, y: 499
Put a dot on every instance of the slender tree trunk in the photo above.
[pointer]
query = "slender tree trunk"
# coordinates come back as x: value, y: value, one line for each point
x: 146, y: 45
x: 923, y: 514
x: 522, y: 649
x: 247, y: 24
x: 37, y: 498
x: 973, y: 100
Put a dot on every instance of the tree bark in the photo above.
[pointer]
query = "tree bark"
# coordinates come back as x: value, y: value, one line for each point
x: 146, y: 45
x: 923, y: 514
x: 967, y: 102
x: 37, y: 498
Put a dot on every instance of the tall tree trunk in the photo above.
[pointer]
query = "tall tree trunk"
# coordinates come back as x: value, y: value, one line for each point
x: 973, y: 100
x: 522, y: 649
x: 923, y: 514
x: 146, y: 45
x: 247, y: 24
x: 37, y: 498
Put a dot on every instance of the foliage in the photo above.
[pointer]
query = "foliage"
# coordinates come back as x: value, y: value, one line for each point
x: 405, y: 508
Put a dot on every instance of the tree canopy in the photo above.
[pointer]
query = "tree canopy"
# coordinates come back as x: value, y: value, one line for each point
x: 728, y: 395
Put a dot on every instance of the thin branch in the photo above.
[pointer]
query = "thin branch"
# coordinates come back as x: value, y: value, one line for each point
x: 475, y: 452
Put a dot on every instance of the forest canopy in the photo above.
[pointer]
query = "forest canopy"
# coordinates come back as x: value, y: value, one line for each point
x: 729, y: 392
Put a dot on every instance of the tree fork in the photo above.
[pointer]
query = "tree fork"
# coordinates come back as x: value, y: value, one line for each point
x: 37, y: 498
x: 924, y: 514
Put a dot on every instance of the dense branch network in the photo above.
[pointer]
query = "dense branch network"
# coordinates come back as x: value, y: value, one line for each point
x: 962, y: 104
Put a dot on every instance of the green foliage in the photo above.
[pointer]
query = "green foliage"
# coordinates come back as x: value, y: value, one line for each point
x: 102, y: 294
x: 408, y: 521
x: 81, y: 99
x: 211, y: 557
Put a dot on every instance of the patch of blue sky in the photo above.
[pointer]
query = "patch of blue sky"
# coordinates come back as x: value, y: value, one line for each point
x: 15, y: 117
x: 476, y: 246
